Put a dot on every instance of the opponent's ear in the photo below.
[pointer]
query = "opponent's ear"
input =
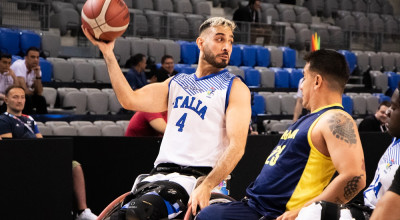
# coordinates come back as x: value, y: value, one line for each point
x: 318, y: 81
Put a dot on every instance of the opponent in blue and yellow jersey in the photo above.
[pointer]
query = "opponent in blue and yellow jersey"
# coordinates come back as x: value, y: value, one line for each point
x: 294, y: 172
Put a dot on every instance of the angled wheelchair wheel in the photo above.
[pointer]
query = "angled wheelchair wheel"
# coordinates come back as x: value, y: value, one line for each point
x: 112, y: 207
x: 217, y: 198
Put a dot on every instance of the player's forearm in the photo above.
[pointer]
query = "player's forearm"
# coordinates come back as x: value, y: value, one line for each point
x: 225, y: 165
x: 342, y: 189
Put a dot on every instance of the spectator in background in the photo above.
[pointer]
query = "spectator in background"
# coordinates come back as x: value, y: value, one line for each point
x: 7, y: 77
x: 377, y: 121
x: 248, y: 13
x: 136, y: 76
x: 147, y: 124
x: 14, y: 124
x: 29, y: 76
x: 167, y: 68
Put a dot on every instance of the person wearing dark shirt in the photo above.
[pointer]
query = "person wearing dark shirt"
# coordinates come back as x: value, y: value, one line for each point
x: 167, y: 68
x: 136, y: 76
x: 376, y: 122
x: 248, y: 13
x: 144, y: 124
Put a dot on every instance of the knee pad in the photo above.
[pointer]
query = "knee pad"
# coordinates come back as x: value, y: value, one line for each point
x: 146, y: 207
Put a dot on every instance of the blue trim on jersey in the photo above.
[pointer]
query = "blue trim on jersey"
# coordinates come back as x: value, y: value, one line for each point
x: 209, y: 76
x: 228, y: 93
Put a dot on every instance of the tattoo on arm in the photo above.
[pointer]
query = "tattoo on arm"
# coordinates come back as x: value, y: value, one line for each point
x: 342, y: 128
x: 338, y: 201
x: 350, y: 189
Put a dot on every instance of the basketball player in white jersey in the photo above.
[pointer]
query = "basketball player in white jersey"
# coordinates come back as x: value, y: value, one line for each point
x: 208, y: 111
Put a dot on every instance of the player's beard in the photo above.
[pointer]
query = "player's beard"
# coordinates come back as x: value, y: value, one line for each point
x: 212, y: 59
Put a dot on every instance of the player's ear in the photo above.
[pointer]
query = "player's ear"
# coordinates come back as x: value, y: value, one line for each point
x: 318, y: 81
x: 199, y: 42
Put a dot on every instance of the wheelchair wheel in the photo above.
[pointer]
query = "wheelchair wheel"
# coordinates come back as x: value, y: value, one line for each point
x: 217, y: 198
x: 112, y: 207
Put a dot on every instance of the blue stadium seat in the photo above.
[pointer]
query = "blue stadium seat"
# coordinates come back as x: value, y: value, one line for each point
x: 236, y: 56
x: 178, y: 67
x: 188, y: 70
x: 252, y: 77
x: 393, y: 80
x: 258, y: 105
x: 294, y: 77
x: 9, y: 41
x: 350, y: 58
x: 248, y: 55
x: 244, y: 68
x: 47, y: 70
x: 347, y: 103
x: 262, y: 56
x: 188, y: 52
x: 381, y: 97
x: 289, y: 57
x: 281, y: 77
x: 29, y: 39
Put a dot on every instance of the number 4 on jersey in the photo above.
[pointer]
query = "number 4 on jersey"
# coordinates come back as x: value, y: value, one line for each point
x: 181, y: 122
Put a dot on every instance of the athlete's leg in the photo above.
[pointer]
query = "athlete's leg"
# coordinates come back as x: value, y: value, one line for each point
x: 232, y: 210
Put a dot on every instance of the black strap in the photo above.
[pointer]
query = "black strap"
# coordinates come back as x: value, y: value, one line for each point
x: 171, y: 168
x: 330, y: 211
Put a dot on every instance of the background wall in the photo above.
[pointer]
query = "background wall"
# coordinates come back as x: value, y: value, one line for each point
x: 42, y: 168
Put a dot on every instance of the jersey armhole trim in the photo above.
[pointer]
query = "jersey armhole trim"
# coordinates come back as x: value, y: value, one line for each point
x: 228, y: 92
x: 310, y: 141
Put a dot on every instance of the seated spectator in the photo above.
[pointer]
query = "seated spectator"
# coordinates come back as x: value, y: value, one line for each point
x: 377, y: 121
x: 167, y: 68
x: 29, y: 76
x: 248, y: 13
x: 136, y: 76
x: 147, y: 124
x: 7, y: 77
x: 14, y: 124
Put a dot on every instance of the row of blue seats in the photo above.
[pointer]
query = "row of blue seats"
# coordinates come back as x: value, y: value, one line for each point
x: 18, y: 41
x: 242, y: 55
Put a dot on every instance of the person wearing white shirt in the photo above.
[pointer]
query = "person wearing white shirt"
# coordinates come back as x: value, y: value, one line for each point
x: 29, y: 76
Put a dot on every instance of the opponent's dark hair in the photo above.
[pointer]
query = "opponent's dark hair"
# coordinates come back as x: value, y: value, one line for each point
x: 12, y: 87
x: 329, y: 64
x: 166, y: 56
x: 252, y: 2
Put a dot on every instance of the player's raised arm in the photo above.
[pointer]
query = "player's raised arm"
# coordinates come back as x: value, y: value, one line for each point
x: 150, y: 98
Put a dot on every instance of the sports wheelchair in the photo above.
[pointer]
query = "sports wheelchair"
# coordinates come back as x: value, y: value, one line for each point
x: 217, y: 196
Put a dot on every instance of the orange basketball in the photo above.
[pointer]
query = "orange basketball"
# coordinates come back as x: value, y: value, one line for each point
x: 105, y: 19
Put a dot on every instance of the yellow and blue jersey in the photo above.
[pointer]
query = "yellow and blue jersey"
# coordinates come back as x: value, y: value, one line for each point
x: 295, y: 171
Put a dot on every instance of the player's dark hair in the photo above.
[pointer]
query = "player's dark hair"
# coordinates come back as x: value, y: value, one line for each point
x: 166, y: 57
x: 329, y: 64
x: 12, y: 87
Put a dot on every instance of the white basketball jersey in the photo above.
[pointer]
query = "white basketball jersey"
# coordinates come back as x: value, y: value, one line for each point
x: 384, y: 174
x: 196, y: 130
